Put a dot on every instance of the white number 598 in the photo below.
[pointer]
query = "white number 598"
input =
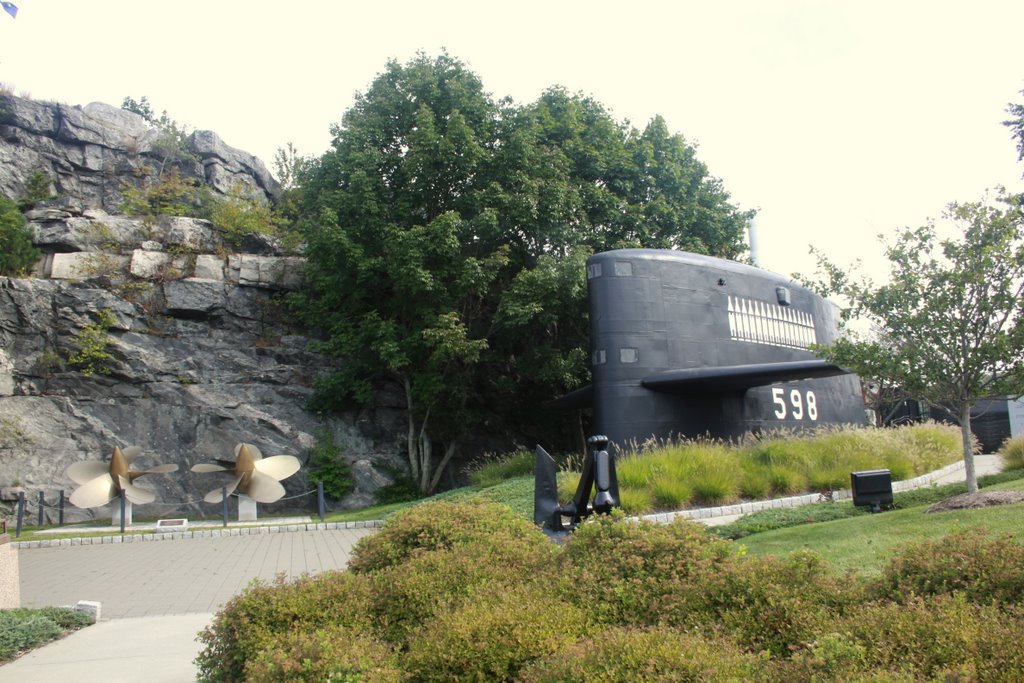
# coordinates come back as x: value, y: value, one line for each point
x: 799, y: 404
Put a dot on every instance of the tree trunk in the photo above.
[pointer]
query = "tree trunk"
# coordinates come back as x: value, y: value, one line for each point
x: 411, y: 445
x: 449, y: 452
x: 965, y: 434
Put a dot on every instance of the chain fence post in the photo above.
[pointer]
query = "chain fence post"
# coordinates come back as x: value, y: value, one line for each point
x: 224, y: 503
x: 21, y: 513
x: 42, y: 504
x: 60, y: 511
x: 121, y: 496
x: 320, y: 500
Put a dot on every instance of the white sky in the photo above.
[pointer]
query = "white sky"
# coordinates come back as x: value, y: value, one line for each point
x: 837, y: 120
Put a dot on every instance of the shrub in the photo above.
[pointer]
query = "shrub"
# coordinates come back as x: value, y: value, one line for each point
x: 494, y: 636
x: 92, y: 342
x: 23, y: 628
x: 621, y: 571
x: 326, y: 465
x: 641, y: 655
x: 17, y: 255
x: 933, y: 640
x: 37, y: 189
x: 1012, y: 452
x: 984, y: 569
x: 333, y: 653
x: 169, y: 194
x: 436, y: 526
x: 764, y: 603
x: 239, y: 214
x: 261, y: 614
x: 407, y: 596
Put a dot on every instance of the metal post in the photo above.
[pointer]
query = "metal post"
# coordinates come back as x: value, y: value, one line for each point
x: 42, y: 504
x: 21, y: 513
x: 320, y: 505
x: 224, y: 502
x: 60, y: 511
x: 121, y: 495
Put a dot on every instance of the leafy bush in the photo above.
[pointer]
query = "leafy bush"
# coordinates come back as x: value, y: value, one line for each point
x: 408, y: 595
x: 17, y: 254
x: 934, y: 640
x: 621, y: 571
x: 494, y: 636
x: 764, y: 603
x: 326, y: 465
x: 238, y: 214
x: 437, y: 526
x: 645, y: 655
x: 463, y: 592
x: 92, y: 342
x: 23, y: 628
x: 983, y: 569
x: 255, y: 619
x: 169, y: 194
x: 333, y: 653
x: 402, y: 489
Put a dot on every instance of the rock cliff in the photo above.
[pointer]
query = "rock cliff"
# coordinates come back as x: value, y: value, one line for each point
x: 202, y: 354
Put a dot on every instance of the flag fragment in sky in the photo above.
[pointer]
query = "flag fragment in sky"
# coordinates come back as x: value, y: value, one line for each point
x: 10, y: 8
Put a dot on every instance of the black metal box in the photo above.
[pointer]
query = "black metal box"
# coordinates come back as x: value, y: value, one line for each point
x: 872, y: 487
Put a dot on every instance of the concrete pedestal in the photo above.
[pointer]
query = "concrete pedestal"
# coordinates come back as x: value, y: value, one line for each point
x: 246, y: 508
x: 115, y: 513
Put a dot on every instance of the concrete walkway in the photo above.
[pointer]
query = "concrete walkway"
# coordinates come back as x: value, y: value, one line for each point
x: 155, y: 598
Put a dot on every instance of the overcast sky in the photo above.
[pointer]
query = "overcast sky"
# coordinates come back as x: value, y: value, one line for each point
x: 836, y: 120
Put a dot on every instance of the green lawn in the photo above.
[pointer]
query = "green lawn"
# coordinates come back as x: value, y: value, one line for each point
x: 863, y: 544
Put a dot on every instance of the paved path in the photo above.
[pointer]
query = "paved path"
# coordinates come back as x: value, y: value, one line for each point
x: 155, y: 597
x: 175, y: 576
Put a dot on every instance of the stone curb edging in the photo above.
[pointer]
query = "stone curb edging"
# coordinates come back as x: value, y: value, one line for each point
x: 198, y: 533
x: 796, y: 501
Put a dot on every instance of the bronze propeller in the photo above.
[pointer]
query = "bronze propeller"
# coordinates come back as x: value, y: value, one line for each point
x: 253, y: 475
x: 99, y: 482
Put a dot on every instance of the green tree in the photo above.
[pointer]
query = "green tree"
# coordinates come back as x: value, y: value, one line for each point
x: 17, y: 254
x: 447, y: 234
x: 327, y: 466
x: 1016, y: 125
x: 37, y: 189
x: 949, y: 324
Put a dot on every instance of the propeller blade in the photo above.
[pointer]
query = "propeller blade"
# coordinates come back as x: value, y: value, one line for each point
x: 138, y: 495
x: 85, y: 471
x: 216, y: 495
x: 94, y: 493
x: 264, y: 489
x: 131, y: 453
x: 253, y: 451
x: 205, y: 467
x: 278, y: 466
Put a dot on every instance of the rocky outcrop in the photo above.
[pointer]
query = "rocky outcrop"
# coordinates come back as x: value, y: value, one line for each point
x: 196, y: 366
x: 202, y: 352
x: 92, y: 153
